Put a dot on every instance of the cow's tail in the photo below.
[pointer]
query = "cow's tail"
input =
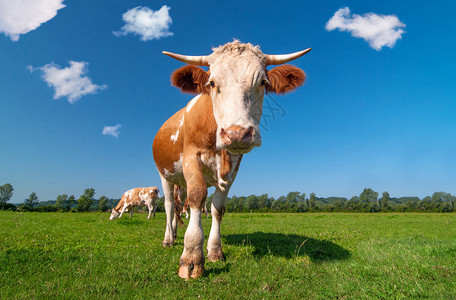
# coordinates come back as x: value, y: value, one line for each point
x: 178, y: 206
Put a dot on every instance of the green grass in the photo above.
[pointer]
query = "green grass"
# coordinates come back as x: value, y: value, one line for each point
x: 316, y: 256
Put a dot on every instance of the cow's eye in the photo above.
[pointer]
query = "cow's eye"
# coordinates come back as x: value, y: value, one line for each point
x: 264, y: 82
x: 212, y: 83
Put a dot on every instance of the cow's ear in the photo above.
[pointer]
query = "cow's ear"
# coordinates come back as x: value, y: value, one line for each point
x: 190, y: 79
x: 284, y: 79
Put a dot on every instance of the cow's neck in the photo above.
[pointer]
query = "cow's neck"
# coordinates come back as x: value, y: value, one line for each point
x: 202, y: 116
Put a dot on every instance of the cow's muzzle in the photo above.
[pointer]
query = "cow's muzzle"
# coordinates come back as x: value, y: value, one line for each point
x: 238, y: 139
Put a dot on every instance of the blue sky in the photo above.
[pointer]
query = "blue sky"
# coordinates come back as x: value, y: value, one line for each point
x: 383, y: 119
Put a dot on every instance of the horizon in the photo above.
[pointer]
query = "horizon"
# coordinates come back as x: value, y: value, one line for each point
x: 86, y: 88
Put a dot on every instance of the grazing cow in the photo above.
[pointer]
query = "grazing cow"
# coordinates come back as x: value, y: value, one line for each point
x: 202, y: 144
x: 136, y: 197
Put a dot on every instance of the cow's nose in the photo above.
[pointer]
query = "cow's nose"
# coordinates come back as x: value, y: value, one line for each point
x: 237, y: 135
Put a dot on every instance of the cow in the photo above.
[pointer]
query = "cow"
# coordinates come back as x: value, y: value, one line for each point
x: 202, y: 145
x: 140, y: 196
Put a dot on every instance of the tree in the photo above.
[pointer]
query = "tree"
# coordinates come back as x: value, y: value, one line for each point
x: 69, y: 202
x: 292, y: 200
x: 301, y: 207
x: 86, y: 200
x: 31, y: 201
x: 312, y: 201
x: 384, y: 201
x: 368, y: 195
x: 264, y: 202
x: 60, y: 201
x: 353, y: 203
x: 102, y: 203
x: 251, y: 203
x: 6, y: 191
x: 447, y: 207
x: 442, y: 197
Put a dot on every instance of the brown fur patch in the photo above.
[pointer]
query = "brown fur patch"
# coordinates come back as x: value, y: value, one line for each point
x: 197, y: 196
x: 165, y: 151
x: 191, y: 79
x: 225, y: 163
x: 186, y: 205
x: 284, y: 79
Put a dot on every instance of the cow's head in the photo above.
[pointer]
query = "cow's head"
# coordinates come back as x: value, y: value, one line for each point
x: 155, y: 193
x: 114, y: 214
x: 237, y: 81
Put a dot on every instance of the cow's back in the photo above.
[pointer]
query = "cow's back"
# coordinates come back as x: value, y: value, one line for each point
x: 168, y: 143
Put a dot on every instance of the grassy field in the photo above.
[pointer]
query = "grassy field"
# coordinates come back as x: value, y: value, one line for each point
x: 54, y: 255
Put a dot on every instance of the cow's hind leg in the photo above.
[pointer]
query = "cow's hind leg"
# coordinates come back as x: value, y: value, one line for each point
x: 205, y: 209
x: 175, y: 225
x: 155, y: 208
x: 179, y: 194
x: 169, y: 209
x: 214, y: 244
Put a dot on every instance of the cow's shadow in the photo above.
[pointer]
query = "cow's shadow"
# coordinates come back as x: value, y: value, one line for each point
x: 288, y: 246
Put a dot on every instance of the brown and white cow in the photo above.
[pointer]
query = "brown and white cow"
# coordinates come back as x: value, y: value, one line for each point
x: 140, y: 196
x: 202, y: 144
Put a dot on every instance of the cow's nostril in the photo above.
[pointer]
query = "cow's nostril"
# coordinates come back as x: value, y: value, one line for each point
x: 226, y: 139
x: 248, y: 135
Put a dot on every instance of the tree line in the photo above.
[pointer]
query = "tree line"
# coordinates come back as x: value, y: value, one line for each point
x: 63, y: 203
x: 367, y: 202
x: 296, y: 202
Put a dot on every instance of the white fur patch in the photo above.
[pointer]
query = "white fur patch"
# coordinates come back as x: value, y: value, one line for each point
x: 129, y: 193
x: 192, y: 102
x: 177, y: 167
x: 176, y: 135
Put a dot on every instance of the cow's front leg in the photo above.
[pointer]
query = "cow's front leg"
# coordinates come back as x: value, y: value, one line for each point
x: 123, y: 210
x: 192, y: 260
x: 214, y: 244
x: 149, y: 206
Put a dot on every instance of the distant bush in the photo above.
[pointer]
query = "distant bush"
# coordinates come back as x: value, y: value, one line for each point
x: 46, y: 208
x: 8, y: 206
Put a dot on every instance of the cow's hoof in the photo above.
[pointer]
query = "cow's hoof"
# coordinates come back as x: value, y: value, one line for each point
x: 215, y: 255
x: 190, y: 271
x: 167, y: 244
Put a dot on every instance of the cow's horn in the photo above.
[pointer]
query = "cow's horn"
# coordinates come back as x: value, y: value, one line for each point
x: 191, y: 60
x: 284, y: 58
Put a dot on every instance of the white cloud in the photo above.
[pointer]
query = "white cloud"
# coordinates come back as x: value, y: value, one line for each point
x: 377, y: 30
x: 21, y: 16
x: 112, y: 130
x: 147, y: 23
x: 68, y: 82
